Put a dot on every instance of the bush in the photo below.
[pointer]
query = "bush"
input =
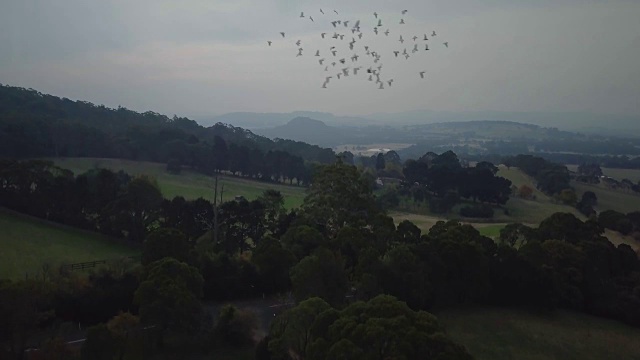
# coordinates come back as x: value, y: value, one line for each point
x: 477, y: 211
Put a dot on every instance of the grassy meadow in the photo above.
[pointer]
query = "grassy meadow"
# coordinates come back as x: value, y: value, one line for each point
x: 609, y: 199
x: 189, y: 184
x: 500, y: 333
x: 618, y: 174
x: 27, y: 243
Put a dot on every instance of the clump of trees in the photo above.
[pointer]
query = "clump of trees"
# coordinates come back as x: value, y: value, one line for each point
x: 442, y: 182
x: 551, y: 178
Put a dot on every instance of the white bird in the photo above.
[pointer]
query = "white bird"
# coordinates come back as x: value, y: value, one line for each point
x: 446, y: 44
x: 422, y: 74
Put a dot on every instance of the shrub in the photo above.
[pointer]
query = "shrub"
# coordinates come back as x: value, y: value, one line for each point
x: 477, y: 211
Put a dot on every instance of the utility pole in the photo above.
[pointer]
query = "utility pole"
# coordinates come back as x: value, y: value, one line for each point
x: 215, y: 208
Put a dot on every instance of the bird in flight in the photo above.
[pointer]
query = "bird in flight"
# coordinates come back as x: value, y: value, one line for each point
x: 320, y: 61
x: 375, y: 30
x: 323, y: 34
x: 346, y: 23
x: 433, y: 33
x: 404, y: 12
x: 401, y: 39
x: 302, y: 14
x: 401, y: 21
x: 426, y: 47
x: 425, y: 37
x: 333, y: 23
x: 396, y: 53
x: 354, y: 57
x: 379, y: 22
x: 381, y: 86
x: 335, y: 12
x: 318, y: 53
x: 422, y: 74
x: 342, y: 61
x: 355, y: 70
x: 298, y: 42
x: 389, y: 82
x: 282, y: 34
x: 415, y: 38
x: 375, y: 14
x: 360, y: 36
x: 446, y: 44
x: 322, y: 11
x: 269, y: 42
x: 387, y: 32
x: 310, y: 17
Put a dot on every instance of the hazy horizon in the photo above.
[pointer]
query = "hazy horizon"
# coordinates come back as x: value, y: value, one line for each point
x: 199, y: 58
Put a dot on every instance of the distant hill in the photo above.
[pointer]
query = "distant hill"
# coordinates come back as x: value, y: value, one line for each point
x: 308, y: 130
x: 252, y: 120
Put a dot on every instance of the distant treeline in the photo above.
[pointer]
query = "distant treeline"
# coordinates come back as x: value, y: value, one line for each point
x: 33, y: 124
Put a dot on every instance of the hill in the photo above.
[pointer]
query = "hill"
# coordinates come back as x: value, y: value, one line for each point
x: 308, y: 130
x: 27, y: 243
x: 252, y: 120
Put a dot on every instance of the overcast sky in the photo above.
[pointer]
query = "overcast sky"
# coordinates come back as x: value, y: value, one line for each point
x: 198, y: 58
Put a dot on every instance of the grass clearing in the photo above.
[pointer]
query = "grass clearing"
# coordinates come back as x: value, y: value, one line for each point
x: 609, y: 199
x: 616, y: 173
x: 189, y: 184
x: 499, y: 333
x: 27, y: 243
x: 425, y: 222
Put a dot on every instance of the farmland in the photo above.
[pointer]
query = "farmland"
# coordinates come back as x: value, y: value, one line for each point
x: 190, y: 185
x: 27, y: 243
x: 502, y: 333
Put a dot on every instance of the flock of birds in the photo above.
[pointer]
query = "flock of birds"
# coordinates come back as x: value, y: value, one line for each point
x: 333, y: 56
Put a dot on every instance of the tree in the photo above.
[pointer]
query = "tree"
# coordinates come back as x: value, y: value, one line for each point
x: 273, y: 263
x: 338, y: 197
x: 380, y: 162
x: 138, y: 208
x: 320, y: 275
x: 168, y: 297
x: 100, y: 344
x: 236, y: 327
x: 165, y: 242
x: 525, y: 191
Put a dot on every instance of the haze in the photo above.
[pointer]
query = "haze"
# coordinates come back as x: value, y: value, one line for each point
x: 201, y: 58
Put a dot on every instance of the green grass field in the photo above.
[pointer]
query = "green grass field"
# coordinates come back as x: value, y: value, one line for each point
x: 618, y: 174
x: 27, y: 243
x: 190, y: 185
x: 494, y: 334
x: 609, y: 199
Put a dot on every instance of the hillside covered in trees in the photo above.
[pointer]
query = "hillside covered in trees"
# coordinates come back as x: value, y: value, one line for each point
x: 33, y: 124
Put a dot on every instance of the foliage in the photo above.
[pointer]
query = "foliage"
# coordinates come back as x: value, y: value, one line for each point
x: 235, y: 327
x: 165, y: 242
x: 320, y: 275
x: 477, y: 211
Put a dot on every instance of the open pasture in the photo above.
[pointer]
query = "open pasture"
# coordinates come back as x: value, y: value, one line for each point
x: 189, y: 184
x: 27, y: 243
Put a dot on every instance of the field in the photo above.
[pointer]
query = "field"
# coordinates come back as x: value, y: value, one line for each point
x: 494, y: 334
x: 609, y: 199
x: 425, y: 222
x: 530, y: 211
x: 190, y: 185
x: 27, y: 243
x: 618, y: 174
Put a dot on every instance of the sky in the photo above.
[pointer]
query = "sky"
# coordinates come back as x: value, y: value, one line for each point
x: 201, y: 58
